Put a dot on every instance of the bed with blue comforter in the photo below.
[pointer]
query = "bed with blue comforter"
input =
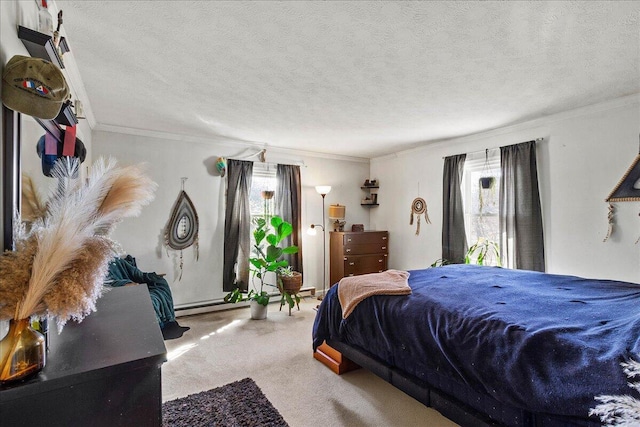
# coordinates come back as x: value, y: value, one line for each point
x: 519, y: 347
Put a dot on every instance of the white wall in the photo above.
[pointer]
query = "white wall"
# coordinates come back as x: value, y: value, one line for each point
x: 584, y: 154
x: 170, y: 159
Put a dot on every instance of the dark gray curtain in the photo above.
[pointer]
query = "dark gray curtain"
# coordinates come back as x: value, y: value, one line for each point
x: 237, y: 226
x: 522, y: 243
x: 454, y: 240
x: 289, y: 207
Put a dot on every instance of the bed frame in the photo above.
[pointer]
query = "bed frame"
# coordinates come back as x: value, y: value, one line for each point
x: 455, y: 401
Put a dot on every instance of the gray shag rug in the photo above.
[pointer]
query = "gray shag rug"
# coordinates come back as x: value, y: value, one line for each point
x: 240, y: 403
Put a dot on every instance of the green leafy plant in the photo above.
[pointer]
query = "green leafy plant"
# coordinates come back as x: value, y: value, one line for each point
x: 483, y: 252
x: 440, y: 262
x: 267, y: 238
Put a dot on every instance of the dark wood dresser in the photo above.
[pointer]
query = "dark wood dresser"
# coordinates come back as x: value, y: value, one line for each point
x: 357, y: 252
x: 352, y: 253
x: 104, y: 371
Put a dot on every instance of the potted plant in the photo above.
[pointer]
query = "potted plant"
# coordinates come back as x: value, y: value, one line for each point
x: 268, y: 259
x: 483, y: 252
x: 289, y: 284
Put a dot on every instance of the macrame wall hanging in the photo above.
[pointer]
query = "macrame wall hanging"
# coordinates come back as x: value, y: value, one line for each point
x: 182, y: 229
x: 419, y: 207
x: 627, y: 190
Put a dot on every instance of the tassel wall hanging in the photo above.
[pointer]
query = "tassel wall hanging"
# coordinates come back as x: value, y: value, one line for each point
x: 182, y: 229
x: 419, y: 207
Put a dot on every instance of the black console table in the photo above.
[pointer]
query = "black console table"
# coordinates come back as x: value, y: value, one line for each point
x: 104, y: 371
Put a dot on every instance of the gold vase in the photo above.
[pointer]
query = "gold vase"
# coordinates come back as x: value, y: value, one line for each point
x: 22, y: 351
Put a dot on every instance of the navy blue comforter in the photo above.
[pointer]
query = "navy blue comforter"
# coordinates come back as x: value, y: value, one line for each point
x: 541, y: 342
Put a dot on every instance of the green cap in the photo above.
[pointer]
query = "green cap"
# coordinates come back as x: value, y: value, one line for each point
x: 33, y: 86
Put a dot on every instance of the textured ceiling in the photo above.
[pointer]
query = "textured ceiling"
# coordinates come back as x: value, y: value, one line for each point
x: 355, y: 78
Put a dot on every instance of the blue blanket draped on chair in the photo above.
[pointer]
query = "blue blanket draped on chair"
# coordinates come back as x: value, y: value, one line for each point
x: 124, y: 270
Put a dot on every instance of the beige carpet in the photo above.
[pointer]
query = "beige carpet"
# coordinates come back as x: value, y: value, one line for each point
x: 223, y: 347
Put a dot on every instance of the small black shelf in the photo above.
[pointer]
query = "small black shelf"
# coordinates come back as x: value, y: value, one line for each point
x: 369, y: 187
x: 66, y: 116
x: 39, y: 45
x: 369, y: 204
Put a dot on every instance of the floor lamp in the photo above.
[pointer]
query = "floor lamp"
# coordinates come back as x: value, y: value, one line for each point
x: 323, y: 190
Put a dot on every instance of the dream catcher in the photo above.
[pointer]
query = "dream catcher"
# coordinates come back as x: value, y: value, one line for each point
x: 419, y: 207
x: 182, y: 229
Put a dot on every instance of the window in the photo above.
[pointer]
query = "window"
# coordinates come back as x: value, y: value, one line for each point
x: 481, y: 199
x: 264, y: 179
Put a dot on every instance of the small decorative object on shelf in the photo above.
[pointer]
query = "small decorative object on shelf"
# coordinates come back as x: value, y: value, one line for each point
x: 357, y: 227
x: 45, y: 21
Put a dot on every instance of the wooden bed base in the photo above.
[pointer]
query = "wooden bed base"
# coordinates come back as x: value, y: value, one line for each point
x: 334, y: 360
x: 342, y: 358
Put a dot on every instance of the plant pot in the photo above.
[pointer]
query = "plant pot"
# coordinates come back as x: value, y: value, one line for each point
x: 291, y: 284
x: 486, y: 182
x: 22, y: 352
x: 258, y: 311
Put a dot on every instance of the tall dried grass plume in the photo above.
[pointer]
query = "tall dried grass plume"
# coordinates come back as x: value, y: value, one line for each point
x: 621, y: 410
x: 60, y: 261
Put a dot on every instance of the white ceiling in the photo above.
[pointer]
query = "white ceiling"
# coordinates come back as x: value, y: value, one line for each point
x: 350, y: 77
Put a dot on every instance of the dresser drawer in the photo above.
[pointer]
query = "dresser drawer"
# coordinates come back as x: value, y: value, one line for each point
x: 363, y: 264
x: 372, y: 248
x: 364, y: 238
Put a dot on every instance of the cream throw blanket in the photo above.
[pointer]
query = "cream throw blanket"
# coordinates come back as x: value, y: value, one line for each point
x: 352, y: 290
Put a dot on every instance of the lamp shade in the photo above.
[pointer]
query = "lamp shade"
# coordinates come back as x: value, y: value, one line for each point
x: 337, y: 211
x: 323, y: 189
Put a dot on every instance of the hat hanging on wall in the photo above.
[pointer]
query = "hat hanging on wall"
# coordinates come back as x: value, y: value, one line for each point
x: 419, y: 207
x: 33, y: 86
x: 182, y: 229
x: 50, y: 150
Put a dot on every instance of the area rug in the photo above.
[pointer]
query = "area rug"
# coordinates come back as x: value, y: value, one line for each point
x: 238, y: 404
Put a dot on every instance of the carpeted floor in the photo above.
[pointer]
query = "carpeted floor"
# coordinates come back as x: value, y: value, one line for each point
x: 240, y: 403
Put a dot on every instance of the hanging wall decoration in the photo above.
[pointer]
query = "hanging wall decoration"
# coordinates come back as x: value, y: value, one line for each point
x: 182, y: 229
x: 419, y: 207
x: 627, y: 190
x: 221, y: 166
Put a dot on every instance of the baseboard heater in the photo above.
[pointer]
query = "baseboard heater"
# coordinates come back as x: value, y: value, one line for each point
x: 220, y: 305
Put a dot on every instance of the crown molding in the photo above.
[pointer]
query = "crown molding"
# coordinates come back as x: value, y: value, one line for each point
x: 534, y: 124
x: 225, y: 142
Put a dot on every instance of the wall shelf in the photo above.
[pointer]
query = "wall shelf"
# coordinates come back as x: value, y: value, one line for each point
x: 371, y: 199
x: 40, y: 45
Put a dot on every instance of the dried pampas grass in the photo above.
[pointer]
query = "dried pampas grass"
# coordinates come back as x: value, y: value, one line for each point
x: 623, y: 410
x: 60, y: 263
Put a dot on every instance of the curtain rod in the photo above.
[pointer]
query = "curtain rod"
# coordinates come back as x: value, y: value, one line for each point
x: 493, y: 148
x: 262, y: 157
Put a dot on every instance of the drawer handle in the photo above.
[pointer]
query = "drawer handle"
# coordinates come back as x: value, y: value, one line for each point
x: 351, y: 275
x: 384, y: 247
x: 384, y: 238
x: 380, y: 271
x: 349, y: 239
x: 379, y: 260
x: 344, y: 259
x: 352, y: 263
x: 348, y: 250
